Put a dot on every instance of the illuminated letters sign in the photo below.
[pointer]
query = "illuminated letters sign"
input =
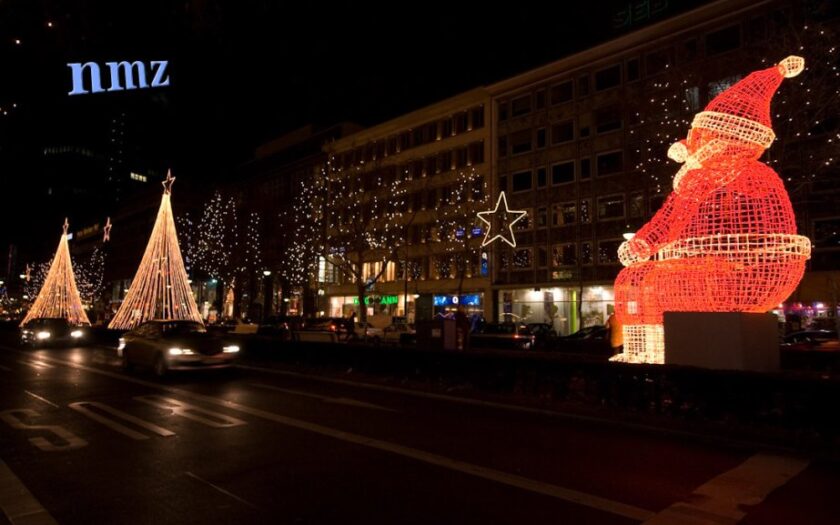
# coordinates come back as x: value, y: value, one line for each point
x: 124, y: 76
x: 385, y: 299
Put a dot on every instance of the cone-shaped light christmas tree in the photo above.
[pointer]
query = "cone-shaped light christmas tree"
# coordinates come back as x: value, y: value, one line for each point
x: 59, y: 296
x: 160, y: 289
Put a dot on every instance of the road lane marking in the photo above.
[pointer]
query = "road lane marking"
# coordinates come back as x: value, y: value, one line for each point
x: 326, y: 399
x: 223, y: 491
x: 539, y: 487
x: 179, y: 408
x: 82, y: 407
x: 72, y: 440
x: 18, y: 504
x: 39, y: 398
x: 37, y: 365
x: 719, y: 501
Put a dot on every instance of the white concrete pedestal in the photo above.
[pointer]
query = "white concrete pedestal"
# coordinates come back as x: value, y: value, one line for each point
x: 722, y: 340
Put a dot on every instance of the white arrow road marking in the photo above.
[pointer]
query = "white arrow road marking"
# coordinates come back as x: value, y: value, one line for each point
x: 334, y: 400
x: 512, y: 480
x: 719, y: 501
x: 82, y: 407
x: 179, y: 408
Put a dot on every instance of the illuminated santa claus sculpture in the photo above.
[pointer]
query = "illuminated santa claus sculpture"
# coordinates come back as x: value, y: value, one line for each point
x: 725, y: 239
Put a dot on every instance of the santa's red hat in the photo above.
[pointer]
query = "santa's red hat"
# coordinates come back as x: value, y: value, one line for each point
x: 743, y: 110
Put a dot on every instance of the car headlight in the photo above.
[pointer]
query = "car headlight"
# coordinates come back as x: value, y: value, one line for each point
x: 43, y: 335
x: 180, y: 351
x: 121, y: 344
x: 75, y: 334
x: 230, y: 349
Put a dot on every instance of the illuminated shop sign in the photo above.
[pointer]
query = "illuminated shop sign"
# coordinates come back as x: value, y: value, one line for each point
x: 454, y: 300
x: 385, y: 299
x: 124, y: 76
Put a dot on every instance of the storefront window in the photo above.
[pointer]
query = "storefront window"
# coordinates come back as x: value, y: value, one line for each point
x: 559, y: 307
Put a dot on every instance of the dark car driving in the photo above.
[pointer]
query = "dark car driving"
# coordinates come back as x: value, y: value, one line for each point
x: 175, y: 345
x: 52, y: 331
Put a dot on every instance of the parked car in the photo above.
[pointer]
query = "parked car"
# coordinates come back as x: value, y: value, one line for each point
x: 504, y: 336
x: 365, y: 331
x: 589, y: 340
x: 168, y: 345
x: 53, y: 331
x: 399, y: 333
x: 813, y: 340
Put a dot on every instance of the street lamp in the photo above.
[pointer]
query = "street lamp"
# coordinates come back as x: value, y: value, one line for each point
x: 266, y: 272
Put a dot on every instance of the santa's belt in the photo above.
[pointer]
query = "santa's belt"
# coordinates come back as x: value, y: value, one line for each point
x: 764, y: 246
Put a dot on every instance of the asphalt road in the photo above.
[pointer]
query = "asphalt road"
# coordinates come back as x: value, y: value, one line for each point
x: 83, y: 442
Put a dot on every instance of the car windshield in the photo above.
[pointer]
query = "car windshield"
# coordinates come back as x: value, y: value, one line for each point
x: 182, y: 328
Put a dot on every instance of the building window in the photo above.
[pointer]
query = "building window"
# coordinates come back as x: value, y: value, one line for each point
x: 563, y: 172
x: 723, y: 40
x: 520, y: 106
x: 478, y: 117
x: 583, y: 86
x: 476, y: 152
x: 719, y: 86
x: 610, y: 163
x: 690, y: 50
x: 658, y: 61
x: 460, y: 158
x: 522, y: 259
x: 656, y: 202
x: 539, y: 99
x: 611, y: 207
x: 563, y: 92
x: 542, y: 217
x: 520, y: 142
x: 541, y: 138
x: 608, y: 252
x: 564, y: 255
x: 522, y: 181
x: 585, y: 169
x: 586, y: 253
x: 564, y: 214
x: 138, y: 177
x: 608, y: 78
x: 541, y: 178
x: 503, y: 183
x: 608, y: 119
x: 633, y: 72
x: 563, y: 132
x: 692, y: 98
x: 447, y: 128
x: 524, y: 223
x: 461, y: 122
x: 637, y: 204
x: 827, y: 233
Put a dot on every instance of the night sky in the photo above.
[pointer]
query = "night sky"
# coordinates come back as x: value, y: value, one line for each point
x: 243, y: 72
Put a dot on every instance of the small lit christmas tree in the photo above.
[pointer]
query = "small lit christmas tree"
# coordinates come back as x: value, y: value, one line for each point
x: 160, y: 289
x: 59, y: 296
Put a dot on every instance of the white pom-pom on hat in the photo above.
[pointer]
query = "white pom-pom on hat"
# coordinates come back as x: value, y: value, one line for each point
x: 791, y: 66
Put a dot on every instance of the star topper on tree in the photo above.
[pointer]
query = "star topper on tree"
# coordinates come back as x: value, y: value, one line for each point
x: 107, y: 230
x: 167, y: 184
x: 504, y: 218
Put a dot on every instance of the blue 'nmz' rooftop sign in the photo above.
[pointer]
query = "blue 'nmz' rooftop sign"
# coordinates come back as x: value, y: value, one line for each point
x: 122, y: 75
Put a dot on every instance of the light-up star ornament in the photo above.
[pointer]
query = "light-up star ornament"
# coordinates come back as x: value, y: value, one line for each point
x: 107, y: 230
x: 167, y: 184
x: 504, y: 216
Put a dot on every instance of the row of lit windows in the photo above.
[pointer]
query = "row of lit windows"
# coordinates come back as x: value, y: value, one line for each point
x: 561, y: 255
x: 436, y: 130
x: 606, y: 164
x: 608, y: 208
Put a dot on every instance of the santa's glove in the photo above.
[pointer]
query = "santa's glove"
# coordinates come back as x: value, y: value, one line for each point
x: 634, y: 251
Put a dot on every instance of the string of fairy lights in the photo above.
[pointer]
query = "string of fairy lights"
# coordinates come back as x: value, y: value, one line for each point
x: 805, y: 110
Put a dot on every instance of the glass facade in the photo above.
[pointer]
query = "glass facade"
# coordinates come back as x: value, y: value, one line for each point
x: 566, y: 309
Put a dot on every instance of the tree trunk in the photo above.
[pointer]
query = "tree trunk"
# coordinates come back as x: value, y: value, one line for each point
x: 361, y: 289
